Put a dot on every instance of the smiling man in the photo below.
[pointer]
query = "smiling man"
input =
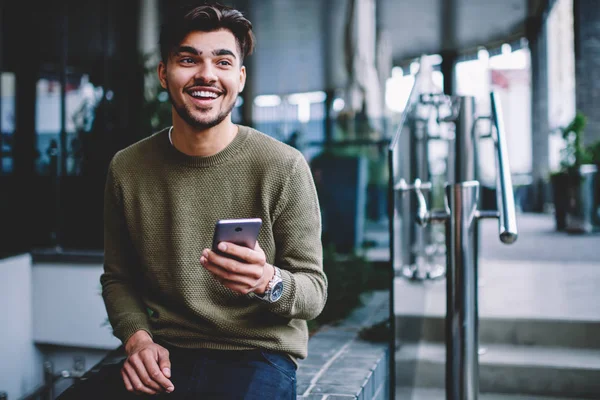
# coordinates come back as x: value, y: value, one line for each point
x: 197, y: 324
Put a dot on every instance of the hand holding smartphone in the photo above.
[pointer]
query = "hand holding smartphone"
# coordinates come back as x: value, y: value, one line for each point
x: 243, y: 232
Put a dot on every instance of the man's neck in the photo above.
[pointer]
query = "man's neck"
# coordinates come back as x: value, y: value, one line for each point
x: 202, y: 143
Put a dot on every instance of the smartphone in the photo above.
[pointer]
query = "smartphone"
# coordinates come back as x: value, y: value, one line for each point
x: 243, y: 232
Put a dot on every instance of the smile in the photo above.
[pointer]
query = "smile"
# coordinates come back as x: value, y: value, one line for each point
x: 203, y: 94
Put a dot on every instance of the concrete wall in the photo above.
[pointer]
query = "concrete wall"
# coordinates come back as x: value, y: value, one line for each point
x: 289, y: 53
x: 68, y: 309
x: 51, y: 312
x: 20, y: 361
x: 69, y: 317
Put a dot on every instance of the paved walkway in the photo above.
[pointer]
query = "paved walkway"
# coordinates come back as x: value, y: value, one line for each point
x: 545, y: 274
x: 438, y: 394
x: 516, y: 289
x: 538, y: 241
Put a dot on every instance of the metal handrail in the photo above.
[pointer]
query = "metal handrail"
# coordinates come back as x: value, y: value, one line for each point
x: 507, y: 216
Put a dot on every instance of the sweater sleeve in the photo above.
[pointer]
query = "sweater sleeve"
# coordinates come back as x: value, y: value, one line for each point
x: 299, y: 252
x: 126, y: 311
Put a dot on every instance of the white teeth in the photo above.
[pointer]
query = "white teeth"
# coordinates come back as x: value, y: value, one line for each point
x: 203, y: 93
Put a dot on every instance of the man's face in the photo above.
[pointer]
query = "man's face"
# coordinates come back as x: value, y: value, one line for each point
x: 203, y: 77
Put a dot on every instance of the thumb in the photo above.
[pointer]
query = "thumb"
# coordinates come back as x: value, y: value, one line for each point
x: 164, y: 363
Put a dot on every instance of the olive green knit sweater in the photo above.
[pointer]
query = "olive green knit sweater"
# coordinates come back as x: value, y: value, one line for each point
x: 160, y: 210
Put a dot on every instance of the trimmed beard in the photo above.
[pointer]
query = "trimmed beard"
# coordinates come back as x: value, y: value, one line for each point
x: 184, y: 112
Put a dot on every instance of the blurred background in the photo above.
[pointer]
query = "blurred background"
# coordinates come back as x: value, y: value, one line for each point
x: 336, y: 79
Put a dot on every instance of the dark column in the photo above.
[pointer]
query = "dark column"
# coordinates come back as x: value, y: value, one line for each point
x: 448, y: 69
x: 62, y: 151
x: 24, y: 151
x: 448, y: 32
x: 1, y: 69
x: 540, y: 126
x: 21, y: 200
x: 587, y: 65
x: 328, y: 120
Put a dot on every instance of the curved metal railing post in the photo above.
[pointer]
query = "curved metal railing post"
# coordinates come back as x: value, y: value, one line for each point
x: 507, y: 217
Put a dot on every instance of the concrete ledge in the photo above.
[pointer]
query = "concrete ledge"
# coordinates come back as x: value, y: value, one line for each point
x: 340, y: 365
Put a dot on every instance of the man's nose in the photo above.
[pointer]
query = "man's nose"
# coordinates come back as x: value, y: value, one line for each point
x: 206, y: 72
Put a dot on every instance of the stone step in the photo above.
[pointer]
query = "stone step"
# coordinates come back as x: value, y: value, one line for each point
x: 509, y: 369
x: 514, y: 290
x: 520, y: 303
x: 403, y: 393
x: 526, y: 332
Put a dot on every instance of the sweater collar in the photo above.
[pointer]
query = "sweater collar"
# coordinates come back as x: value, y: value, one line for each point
x: 198, y: 161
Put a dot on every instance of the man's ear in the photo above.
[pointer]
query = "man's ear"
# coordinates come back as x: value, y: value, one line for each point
x: 242, y: 78
x: 161, y: 70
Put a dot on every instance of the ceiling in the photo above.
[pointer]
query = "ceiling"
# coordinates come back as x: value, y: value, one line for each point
x: 416, y: 27
x: 301, y: 43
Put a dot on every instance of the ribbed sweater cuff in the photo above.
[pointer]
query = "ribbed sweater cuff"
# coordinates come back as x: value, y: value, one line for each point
x: 130, y: 326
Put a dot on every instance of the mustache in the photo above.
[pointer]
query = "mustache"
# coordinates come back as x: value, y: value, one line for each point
x: 204, y: 85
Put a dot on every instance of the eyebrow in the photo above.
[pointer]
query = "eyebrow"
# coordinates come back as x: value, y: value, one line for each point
x: 194, y: 51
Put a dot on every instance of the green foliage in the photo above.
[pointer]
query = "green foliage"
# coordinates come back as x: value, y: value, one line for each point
x: 157, y: 107
x: 348, y: 276
x: 574, y: 154
x: 594, y: 152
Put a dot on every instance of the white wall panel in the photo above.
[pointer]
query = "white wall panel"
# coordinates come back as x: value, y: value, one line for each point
x: 20, y: 361
x: 68, y: 308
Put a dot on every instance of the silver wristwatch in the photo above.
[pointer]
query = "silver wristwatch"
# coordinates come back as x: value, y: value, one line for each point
x: 274, y: 288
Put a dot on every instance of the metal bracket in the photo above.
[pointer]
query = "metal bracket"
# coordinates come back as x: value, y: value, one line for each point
x: 424, y: 215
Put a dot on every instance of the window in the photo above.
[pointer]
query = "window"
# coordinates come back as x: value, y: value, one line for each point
x: 7, y: 121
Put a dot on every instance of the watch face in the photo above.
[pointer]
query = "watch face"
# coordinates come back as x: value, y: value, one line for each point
x: 277, y: 291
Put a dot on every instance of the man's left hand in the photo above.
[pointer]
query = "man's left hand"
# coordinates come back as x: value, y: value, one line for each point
x: 248, y: 272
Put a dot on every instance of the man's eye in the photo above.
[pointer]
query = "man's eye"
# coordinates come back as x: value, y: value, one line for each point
x: 224, y: 62
x: 187, y: 60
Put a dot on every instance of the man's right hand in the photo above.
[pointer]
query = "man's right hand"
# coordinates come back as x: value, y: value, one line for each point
x: 147, y: 369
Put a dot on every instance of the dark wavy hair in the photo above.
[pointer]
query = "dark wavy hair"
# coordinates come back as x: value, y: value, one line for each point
x: 206, y: 17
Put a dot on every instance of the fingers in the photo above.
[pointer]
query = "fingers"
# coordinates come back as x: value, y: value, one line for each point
x: 133, y: 383
x: 143, y: 374
x: 251, y: 256
x: 236, y: 282
x: 157, y: 380
x: 164, y: 370
x: 164, y: 363
x: 242, y: 273
x: 146, y: 371
x: 126, y: 380
x: 244, y: 282
x: 230, y: 269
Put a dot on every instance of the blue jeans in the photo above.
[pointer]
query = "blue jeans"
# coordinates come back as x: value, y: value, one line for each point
x: 205, y: 374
